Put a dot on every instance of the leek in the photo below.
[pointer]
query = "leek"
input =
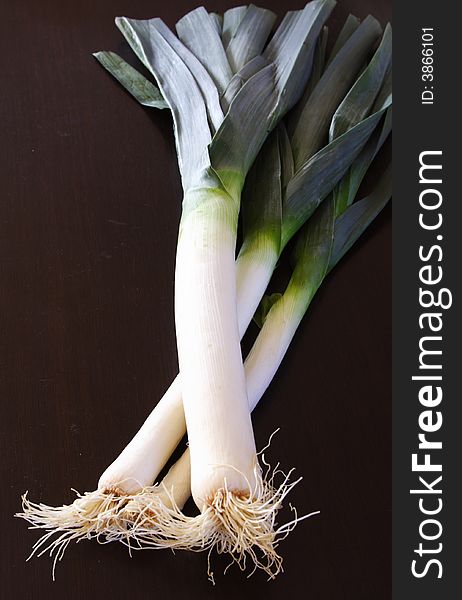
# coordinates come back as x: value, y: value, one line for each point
x: 211, y: 204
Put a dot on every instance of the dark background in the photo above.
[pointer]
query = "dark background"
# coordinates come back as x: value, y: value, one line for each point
x: 89, y: 214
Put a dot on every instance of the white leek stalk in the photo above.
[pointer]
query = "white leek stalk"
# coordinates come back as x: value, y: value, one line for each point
x: 213, y: 382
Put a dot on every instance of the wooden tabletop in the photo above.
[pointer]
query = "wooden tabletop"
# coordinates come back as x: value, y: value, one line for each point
x: 88, y: 222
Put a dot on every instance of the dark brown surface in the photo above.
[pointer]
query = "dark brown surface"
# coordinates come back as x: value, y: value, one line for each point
x: 89, y: 211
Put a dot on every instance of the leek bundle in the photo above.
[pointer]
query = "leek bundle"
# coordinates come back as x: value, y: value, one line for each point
x: 227, y: 89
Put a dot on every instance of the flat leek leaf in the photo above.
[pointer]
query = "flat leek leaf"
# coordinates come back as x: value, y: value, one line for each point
x: 250, y: 36
x: 317, y: 70
x: 200, y: 74
x: 136, y: 84
x: 320, y: 56
x: 199, y: 34
x: 366, y: 89
x: 341, y: 191
x: 128, y: 29
x: 287, y: 158
x: 264, y: 307
x: 313, y: 250
x: 385, y: 94
x: 231, y: 20
x: 261, y: 206
x: 217, y: 20
x: 310, y: 131
x: 351, y: 224
x: 238, y: 80
x: 320, y: 59
x: 350, y: 184
x: 276, y: 44
x: 204, y: 81
x: 244, y: 129
x: 316, y: 74
x: 292, y: 49
x: 385, y: 131
x: 180, y: 90
x: 346, y: 190
x: 319, y: 175
x: 137, y: 35
x: 350, y: 26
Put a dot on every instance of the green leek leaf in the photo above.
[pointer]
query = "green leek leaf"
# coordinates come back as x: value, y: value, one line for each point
x: 349, y: 27
x: 356, y: 218
x: 291, y: 49
x: 313, y: 250
x: 250, y: 36
x: 310, y: 130
x: 180, y: 90
x: 231, y: 20
x: 384, y: 96
x: 143, y: 37
x: 316, y: 72
x: 349, y: 186
x: 287, y: 157
x: 244, y: 129
x: 366, y: 88
x: 238, y: 80
x: 197, y: 32
x: 217, y: 21
x: 261, y: 206
x: 136, y: 84
x: 318, y: 176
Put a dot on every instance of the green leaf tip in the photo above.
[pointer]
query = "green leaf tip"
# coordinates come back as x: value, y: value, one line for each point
x: 136, y: 84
